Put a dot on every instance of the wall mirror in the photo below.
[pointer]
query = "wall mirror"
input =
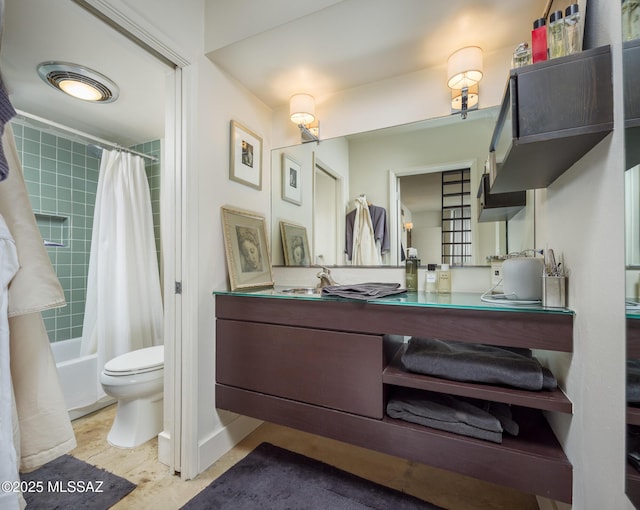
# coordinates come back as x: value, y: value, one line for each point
x: 399, y: 170
x: 631, y: 74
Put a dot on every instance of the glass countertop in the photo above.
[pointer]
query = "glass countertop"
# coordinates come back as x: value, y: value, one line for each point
x: 460, y: 300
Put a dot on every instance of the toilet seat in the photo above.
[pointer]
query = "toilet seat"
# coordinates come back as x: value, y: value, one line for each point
x: 140, y: 361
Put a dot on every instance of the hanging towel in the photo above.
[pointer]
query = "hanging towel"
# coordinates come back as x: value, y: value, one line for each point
x: 45, y: 428
x: 364, y: 250
x: 468, y: 417
x: 6, y: 114
x: 35, y: 287
x: 9, y: 445
x: 477, y: 363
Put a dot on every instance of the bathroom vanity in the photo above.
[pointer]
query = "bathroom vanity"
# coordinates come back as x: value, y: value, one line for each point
x: 327, y: 365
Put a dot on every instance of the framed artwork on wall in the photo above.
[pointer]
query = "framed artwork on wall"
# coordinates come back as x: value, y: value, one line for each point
x: 247, y: 250
x: 245, y: 156
x: 294, y: 244
x: 291, y: 180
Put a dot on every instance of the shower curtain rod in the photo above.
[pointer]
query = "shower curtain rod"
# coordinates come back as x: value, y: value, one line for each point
x: 87, y: 136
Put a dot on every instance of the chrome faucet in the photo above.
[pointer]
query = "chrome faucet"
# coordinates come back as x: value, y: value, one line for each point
x: 325, y: 278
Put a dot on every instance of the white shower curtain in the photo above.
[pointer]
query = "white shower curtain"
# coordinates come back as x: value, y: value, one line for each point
x: 123, y: 309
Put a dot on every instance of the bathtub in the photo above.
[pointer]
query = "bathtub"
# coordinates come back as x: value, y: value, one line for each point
x: 78, y: 378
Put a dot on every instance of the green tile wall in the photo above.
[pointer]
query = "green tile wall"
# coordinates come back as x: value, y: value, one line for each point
x: 62, y: 177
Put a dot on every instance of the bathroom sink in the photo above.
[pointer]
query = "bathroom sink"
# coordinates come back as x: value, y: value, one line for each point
x: 307, y: 291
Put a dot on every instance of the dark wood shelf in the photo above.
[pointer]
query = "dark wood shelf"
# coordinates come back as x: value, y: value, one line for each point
x: 633, y: 484
x: 631, y: 78
x: 633, y: 415
x: 532, y: 329
x: 532, y: 462
x: 498, y: 206
x: 552, y: 114
x: 554, y: 400
x: 633, y: 337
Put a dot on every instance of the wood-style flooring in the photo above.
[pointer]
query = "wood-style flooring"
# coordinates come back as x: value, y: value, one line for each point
x: 160, y: 490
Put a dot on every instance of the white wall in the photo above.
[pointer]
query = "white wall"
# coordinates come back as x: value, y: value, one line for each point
x: 580, y: 217
x: 333, y: 153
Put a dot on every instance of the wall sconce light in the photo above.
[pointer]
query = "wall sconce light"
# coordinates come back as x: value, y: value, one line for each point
x: 409, y: 227
x: 302, y: 111
x: 464, y: 71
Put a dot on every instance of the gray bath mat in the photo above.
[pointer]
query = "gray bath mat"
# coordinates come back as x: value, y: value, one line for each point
x: 67, y: 483
x: 270, y: 478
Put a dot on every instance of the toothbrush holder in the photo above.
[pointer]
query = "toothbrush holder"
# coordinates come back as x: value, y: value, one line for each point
x: 554, y: 291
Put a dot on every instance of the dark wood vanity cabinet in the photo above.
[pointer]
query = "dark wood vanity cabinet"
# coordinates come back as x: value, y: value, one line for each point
x: 552, y: 114
x: 327, y: 367
x: 633, y: 412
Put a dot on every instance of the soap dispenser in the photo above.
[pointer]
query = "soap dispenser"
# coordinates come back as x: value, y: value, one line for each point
x: 411, y: 273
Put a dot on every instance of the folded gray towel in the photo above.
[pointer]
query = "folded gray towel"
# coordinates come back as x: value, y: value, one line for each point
x: 468, y: 417
x: 363, y: 291
x: 477, y: 363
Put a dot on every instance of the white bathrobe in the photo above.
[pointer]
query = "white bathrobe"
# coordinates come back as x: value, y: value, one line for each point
x: 9, y: 500
x: 45, y: 428
x: 365, y: 251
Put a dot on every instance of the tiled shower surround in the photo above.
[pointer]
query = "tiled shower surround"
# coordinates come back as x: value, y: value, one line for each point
x: 62, y: 177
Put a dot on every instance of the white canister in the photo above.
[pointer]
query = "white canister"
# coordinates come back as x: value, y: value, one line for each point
x: 522, y: 278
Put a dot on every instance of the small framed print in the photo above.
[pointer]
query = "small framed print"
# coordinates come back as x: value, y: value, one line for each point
x: 294, y: 244
x: 245, y: 156
x: 245, y: 242
x: 291, y: 180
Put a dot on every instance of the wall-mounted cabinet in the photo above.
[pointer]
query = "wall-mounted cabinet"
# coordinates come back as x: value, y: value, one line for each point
x: 329, y: 367
x: 631, y: 77
x: 552, y: 114
x: 498, y: 206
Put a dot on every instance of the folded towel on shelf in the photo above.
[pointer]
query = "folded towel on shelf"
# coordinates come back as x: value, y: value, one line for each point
x: 460, y: 415
x: 633, y: 381
x: 363, y: 291
x: 477, y: 363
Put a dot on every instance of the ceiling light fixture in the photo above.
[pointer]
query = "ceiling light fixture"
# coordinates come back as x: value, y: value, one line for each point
x: 78, y: 81
x: 464, y: 71
x: 302, y: 112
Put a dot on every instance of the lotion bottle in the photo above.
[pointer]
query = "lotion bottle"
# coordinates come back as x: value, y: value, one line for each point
x: 444, y: 279
x: 573, y: 29
x: 539, y: 40
x: 556, y: 35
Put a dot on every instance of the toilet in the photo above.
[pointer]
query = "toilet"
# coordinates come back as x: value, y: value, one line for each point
x: 135, y: 379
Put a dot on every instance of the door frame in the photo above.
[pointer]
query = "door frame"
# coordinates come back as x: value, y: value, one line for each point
x: 176, y: 447
x: 394, y: 196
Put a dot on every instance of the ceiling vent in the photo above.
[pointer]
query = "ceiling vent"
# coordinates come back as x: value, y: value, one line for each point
x: 79, y: 81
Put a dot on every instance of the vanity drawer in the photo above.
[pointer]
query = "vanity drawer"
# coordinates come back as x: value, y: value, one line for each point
x: 326, y: 368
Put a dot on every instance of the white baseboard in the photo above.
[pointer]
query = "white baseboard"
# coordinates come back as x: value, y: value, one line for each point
x: 222, y: 440
x: 164, y: 448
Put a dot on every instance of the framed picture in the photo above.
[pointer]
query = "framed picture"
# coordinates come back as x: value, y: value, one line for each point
x: 245, y: 242
x: 291, y: 180
x: 295, y: 244
x: 245, y: 156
